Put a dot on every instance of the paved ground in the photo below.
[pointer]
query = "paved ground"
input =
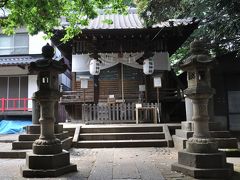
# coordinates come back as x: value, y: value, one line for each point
x: 110, y: 163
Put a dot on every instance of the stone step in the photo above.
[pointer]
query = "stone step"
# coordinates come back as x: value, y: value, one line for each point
x: 122, y: 136
x: 17, y: 154
x: 70, y: 130
x: 33, y: 137
x: 227, y: 143
x: 22, y: 145
x: 16, y: 145
x: 223, y: 143
x: 215, y: 134
x: 35, y: 129
x: 121, y: 143
x: 121, y: 128
x: 220, y: 134
x: 67, y: 143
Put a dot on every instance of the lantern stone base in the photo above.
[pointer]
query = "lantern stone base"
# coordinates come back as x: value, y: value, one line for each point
x: 51, y: 165
x: 201, y: 145
x: 54, y: 146
x: 203, y: 165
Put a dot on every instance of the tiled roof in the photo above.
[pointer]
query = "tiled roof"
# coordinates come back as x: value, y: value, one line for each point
x: 18, y: 60
x: 129, y: 21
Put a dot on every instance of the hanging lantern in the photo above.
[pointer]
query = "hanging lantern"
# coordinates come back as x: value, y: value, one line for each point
x: 94, y: 67
x: 148, y: 66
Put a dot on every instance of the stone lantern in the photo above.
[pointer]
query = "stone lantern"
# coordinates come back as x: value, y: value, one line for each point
x: 201, y: 159
x: 47, y: 159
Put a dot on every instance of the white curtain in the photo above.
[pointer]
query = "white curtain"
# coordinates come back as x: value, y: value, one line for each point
x: 80, y: 62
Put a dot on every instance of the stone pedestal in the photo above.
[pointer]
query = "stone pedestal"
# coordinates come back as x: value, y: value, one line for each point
x: 201, y: 159
x: 203, y: 165
x: 47, y: 165
x: 47, y: 158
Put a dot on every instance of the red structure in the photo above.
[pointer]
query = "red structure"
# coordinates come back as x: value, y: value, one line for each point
x: 15, y: 104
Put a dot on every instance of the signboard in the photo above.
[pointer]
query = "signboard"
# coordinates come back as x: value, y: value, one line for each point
x: 84, y: 83
x: 157, y: 82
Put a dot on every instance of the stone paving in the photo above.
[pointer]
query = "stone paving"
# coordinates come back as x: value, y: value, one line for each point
x: 112, y: 163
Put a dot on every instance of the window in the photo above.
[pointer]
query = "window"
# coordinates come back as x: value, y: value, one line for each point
x: 14, y: 87
x: 15, y: 44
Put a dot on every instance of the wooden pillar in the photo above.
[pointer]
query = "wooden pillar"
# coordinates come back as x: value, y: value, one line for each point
x: 73, y: 81
x: 147, y: 90
x: 96, y: 89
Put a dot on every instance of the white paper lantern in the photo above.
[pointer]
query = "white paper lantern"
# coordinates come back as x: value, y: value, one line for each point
x: 94, y: 67
x: 148, y: 66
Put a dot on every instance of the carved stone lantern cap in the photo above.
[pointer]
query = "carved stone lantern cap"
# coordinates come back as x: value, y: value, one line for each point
x: 199, y: 57
x: 47, y: 51
x: 47, y: 63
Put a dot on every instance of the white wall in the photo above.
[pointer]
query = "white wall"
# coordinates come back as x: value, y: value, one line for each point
x: 36, y: 43
x: 32, y: 87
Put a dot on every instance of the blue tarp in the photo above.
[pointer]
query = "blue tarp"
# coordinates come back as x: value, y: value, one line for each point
x: 13, y: 126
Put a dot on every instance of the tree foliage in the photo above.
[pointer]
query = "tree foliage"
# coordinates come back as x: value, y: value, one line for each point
x: 45, y: 15
x: 219, y: 25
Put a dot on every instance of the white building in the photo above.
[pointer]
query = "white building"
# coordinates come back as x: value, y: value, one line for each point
x: 16, y: 85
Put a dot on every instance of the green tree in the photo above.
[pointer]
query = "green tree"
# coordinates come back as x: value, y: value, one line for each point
x: 219, y: 20
x: 45, y: 15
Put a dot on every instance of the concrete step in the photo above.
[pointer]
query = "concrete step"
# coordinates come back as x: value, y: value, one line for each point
x: 67, y: 143
x: 227, y: 143
x: 35, y: 129
x: 122, y: 136
x: 121, y: 143
x: 220, y: 134
x: 33, y: 137
x: 70, y: 130
x: 16, y: 145
x: 22, y: 145
x: 215, y: 134
x: 120, y: 128
x: 16, y: 154
x: 223, y: 143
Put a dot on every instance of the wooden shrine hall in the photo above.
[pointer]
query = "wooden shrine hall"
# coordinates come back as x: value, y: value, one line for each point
x: 116, y: 66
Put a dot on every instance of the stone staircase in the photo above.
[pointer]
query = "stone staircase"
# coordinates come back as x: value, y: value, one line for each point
x: 25, y: 141
x: 109, y: 136
x: 223, y: 139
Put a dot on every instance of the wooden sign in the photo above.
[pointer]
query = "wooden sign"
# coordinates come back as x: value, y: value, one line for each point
x: 157, y: 82
x: 84, y: 83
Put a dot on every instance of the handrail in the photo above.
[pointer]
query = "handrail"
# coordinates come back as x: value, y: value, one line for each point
x: 14, y: 104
